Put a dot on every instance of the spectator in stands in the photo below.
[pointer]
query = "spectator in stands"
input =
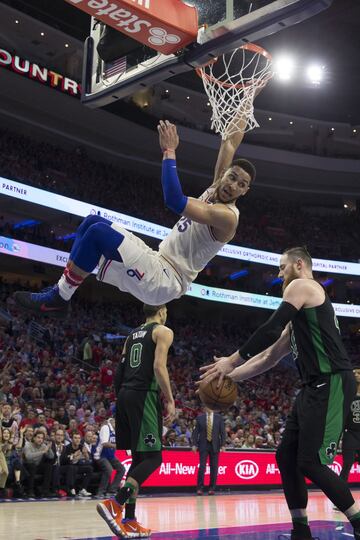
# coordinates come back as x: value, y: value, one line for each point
x: 61, y: 474
x: 182, y: 440
x: 29, y: 419
x: 28, y: 434
x: 4, y: 472
x: 41, y: 422
x: 107, y: 374
x: 71, y: 411
x: 249, y: 442
x: 12, y: 455
x: 106, y: 460
x: 76, y: 457
x: 87, y: 350
x: 7, y: 420
x: 62, y: 416
x: 37, y: 459
x: 170, y: 438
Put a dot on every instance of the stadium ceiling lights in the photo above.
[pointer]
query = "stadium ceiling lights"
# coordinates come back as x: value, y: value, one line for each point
x: 284, y: 67
x: 315, y: 73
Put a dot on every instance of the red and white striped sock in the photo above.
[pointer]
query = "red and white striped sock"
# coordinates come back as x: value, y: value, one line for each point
x: 68, y: 283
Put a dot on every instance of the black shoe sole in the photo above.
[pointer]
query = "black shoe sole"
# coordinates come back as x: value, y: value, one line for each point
x: 53, y: 314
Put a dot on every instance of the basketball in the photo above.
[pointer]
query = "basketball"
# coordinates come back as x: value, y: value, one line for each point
x: 218, y: 398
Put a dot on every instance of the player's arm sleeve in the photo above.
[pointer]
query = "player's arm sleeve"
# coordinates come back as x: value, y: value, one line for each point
x: 269, y: 332
x: 174, y: 198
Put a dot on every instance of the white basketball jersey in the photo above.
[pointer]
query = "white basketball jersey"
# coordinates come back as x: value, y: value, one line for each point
x: 190, y: 245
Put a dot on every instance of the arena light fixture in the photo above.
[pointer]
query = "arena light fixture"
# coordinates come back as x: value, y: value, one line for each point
x: 315, y: 73
x: 16, y: 21
x: 42, y: 34
x: 284, y: 67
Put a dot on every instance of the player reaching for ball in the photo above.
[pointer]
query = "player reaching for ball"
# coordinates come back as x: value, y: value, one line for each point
x: 304, y: 323
x: 156, y: 277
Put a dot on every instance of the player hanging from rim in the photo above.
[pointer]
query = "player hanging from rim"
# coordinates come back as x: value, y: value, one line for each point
x: 305, y: 323
x: 138, y: 427
x: 156, y: 277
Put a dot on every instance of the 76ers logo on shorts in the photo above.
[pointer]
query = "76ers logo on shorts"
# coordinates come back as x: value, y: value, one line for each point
x: 135, y: 273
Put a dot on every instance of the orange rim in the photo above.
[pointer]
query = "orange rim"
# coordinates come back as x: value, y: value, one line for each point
x: 248, y: 47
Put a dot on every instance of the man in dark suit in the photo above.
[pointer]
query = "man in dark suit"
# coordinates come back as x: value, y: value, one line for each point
x: 208, y: 437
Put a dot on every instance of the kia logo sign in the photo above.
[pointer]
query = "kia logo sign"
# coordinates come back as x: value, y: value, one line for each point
x: 246, y: 469
x: 336, y: 467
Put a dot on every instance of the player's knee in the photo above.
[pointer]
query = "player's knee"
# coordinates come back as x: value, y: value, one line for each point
x: 92, y: 219
x: 98, y: 231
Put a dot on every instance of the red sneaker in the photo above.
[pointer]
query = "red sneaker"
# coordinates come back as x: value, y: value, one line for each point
x: 133, y: 529
x: 111, y: 512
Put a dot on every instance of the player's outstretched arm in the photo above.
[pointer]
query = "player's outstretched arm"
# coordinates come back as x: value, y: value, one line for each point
x: 265, y: 360
x: 216, y: 215
x: 228, y: 149
x: 229, y: 146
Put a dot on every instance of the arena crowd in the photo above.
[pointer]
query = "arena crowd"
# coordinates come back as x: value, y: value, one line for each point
x: 266, y: 222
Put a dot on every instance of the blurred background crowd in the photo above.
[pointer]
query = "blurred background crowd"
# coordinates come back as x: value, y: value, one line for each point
x: 51, y: 393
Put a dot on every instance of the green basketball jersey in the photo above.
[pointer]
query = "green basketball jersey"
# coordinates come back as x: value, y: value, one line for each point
x: 138, y: 366
x: 316, y: 342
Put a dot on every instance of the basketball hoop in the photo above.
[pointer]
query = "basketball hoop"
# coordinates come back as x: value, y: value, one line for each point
x: 231, y: 83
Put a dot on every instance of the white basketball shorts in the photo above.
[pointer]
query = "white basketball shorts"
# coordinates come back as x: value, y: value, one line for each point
x: 144, y: 273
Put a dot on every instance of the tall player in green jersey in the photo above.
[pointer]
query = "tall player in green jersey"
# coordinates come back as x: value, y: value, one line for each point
x: 304, y: 323
x: 140, y: 376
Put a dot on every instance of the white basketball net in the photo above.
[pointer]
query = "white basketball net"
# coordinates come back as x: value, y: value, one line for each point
x: 231, y: 84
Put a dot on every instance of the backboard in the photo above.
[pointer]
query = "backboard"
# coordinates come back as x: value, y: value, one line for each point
x: 223, y: 26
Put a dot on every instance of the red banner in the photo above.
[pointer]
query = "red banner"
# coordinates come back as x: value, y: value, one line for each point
x: 165, y: 30
x: 180, y: 468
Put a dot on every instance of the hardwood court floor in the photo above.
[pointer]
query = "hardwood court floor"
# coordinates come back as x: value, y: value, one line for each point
x: 247, y: 516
